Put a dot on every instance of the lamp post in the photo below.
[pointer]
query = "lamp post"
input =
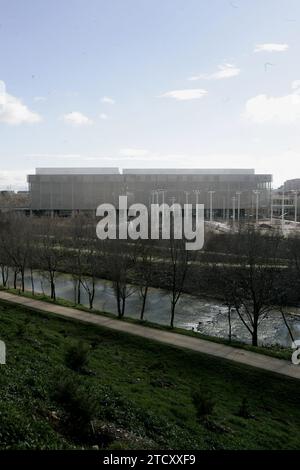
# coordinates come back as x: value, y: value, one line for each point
x: 197, y: 192
x: 233, y: 209
x: 256, y: 192
x: 186, y: 196
x: 162, y: 191
x: 224, y: 208
x: 271, y: 220
x: 211, y: 205
x: 295, y: 203
x: 153, y: 193
x: 282, y: 211
x: 238, y: 193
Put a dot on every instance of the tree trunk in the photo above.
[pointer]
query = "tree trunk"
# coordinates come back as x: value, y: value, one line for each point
x: 144, y: 303
x: 32, y: 281
x: 53, y: 295
x: 23, y: 280
x: 123, y: 306
x: 78, y: 292
x: 229, y: 324
x: 92, y: 295
x: 172, y: 314
x: 117, y: 288
x: 254, y: 336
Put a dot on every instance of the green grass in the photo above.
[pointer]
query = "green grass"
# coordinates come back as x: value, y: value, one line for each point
x: 272, y: 351
x: 138, y: 393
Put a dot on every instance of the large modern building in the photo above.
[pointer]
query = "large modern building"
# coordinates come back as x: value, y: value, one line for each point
x: 65, y: 191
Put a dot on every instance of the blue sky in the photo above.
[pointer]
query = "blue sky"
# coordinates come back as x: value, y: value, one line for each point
x: 149, y: 83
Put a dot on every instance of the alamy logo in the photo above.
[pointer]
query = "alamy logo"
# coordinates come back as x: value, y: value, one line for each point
x: 2, y: 352
x: 162, y: 221
x: 296, y: 353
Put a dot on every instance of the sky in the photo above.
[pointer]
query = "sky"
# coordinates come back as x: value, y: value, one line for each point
x: 149, y: 84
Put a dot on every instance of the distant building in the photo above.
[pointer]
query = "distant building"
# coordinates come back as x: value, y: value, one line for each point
x: 293, y: 184
x: 286, y: 200
x: 65, y: 191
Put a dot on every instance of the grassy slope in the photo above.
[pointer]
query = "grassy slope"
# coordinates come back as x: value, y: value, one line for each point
x: 273, y: 351
x: 141, y: 388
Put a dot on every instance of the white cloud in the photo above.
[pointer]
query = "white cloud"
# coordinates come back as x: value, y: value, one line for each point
x: 184, y: 95
x: 77, y: 119
x: 134, y: 152
x: 13, y: 111
x: 103, y: 116
x: 225, y: 71
x: 275, y: 109
x: 271, y: 47
x: 108, y: 100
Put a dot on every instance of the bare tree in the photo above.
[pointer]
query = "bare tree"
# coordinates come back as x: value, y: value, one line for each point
x: 17, y: 243
x: 144, y: 272
x: 93, y: 254
x: 120, y: 261
x: 252, y: 282
x: 178, y: 263
x: 51, y: 254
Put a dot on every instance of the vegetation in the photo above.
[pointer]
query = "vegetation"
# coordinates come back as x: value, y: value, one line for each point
x: 128, y: 393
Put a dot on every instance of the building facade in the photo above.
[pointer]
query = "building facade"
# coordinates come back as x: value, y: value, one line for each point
x: 225, y: 192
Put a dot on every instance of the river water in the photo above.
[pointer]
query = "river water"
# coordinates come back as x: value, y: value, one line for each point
x: 206, y: 316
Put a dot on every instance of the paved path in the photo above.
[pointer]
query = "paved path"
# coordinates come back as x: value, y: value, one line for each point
x: 248, y: 358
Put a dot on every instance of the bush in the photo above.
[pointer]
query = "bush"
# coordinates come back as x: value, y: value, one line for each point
x: 79, y: 404
x: 204, y: 405
x: 243, y: 411
x: 76, y: 356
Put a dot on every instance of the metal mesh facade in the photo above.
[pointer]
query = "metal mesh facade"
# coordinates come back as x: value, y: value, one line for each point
x: 80, y: 192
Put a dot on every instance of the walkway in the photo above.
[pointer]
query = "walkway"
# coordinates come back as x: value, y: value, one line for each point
x: 241, y: 356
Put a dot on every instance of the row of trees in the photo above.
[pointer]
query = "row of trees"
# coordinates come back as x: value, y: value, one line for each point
x: 254, y: 273
x: 51, y: 247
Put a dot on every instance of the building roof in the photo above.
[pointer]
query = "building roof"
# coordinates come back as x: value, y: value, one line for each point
x: 188, y: 171
x: 77, y: 171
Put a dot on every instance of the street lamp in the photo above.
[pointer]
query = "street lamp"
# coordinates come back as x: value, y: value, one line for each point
x: 295, y: 191
x: 210, y: 205
x: 224, y: 209
x: 197, y: 192
x: 271, y: 220
x: 257, y: 193
x: 153, y: 193
x: 238, y: 193
x: 186, y: 196
x: 162, y: 191
x: 233, y: 209
x: 282, y: 211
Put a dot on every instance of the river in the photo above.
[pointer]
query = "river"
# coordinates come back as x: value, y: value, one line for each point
x: 206, y: 316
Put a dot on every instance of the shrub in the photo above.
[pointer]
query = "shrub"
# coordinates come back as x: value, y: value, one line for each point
x: 76, y: 356
x: 243, y: 411
x: 79, y: 404
x: 204, y: 405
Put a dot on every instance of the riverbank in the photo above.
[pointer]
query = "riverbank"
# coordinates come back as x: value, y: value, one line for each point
x: 206, y: 316
x: 172, y: 338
